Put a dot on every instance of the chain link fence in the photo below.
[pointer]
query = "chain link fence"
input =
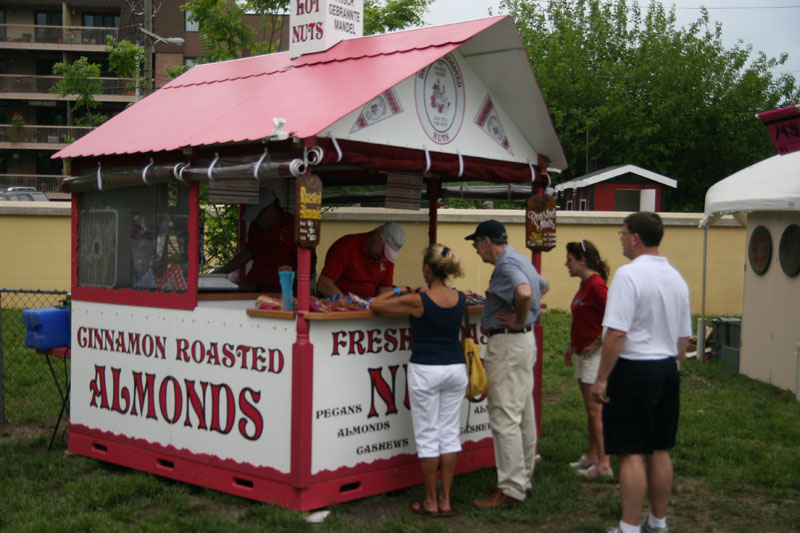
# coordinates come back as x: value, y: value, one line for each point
x: 28, y: 392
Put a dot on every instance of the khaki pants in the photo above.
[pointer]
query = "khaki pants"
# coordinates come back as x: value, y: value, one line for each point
x: 509, y: 364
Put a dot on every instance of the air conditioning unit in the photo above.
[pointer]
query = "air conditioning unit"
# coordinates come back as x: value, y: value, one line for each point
x: 104, y: 248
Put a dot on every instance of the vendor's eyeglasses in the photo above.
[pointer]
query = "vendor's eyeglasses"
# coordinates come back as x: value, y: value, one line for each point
x: 623, y: 232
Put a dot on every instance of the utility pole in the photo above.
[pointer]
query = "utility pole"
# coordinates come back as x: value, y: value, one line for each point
x: 148, y: 43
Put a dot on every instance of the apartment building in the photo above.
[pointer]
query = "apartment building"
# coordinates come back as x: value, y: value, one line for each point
x: 36, y: 34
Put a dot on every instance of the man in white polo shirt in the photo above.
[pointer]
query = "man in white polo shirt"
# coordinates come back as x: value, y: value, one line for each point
x: 647, y: 325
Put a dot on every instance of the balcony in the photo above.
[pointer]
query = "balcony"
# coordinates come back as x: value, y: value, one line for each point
x: 42, y: 183
x: 59, y: 38
x: 22, y: 87
x: 39, y: 137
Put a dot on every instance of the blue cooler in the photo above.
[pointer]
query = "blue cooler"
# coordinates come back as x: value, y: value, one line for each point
x: 47, y: 328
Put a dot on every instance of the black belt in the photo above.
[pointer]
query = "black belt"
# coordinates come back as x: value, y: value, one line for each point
x: 508, y: 330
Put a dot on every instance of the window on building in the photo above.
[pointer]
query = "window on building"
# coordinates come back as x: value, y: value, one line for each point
x: 51, y: 115
x: 190, y: 25
x: 583, y: 204
x: 44, y: 65
x: 46, y: 18
x: 100, y: 20
x: 626, y: 200
x: 2, y: 21
x: 47, y: 166
x: 569, y: 205
x: 189, y: 61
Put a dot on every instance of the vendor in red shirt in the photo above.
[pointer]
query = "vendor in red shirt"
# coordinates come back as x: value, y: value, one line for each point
x: 270, y: 244
x: 362, y: 263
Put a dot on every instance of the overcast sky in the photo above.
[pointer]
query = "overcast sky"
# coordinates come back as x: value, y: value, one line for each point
x: 771, y: 26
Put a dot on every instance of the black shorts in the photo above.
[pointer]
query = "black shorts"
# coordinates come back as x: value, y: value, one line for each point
x: 644, y: 404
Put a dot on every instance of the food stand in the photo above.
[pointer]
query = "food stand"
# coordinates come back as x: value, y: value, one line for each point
x: 297, y: 408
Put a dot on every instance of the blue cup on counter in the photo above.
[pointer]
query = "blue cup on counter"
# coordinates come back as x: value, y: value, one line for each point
x: 287, y: 280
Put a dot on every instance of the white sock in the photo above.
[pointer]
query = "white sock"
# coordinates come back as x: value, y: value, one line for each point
x: 627, y: 528
x: 652, y: 521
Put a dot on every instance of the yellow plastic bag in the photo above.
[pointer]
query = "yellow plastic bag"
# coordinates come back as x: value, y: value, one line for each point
x: 477, y: 376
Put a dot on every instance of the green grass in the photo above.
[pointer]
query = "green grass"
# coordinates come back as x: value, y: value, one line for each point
x: 737, y: 469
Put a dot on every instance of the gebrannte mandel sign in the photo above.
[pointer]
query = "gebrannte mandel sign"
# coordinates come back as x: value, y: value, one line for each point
x: 317, y: 25
x: 214, y: 385
x: 361, y: 409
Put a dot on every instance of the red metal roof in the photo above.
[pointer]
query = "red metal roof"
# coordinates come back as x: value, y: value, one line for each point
x: 235, y: 101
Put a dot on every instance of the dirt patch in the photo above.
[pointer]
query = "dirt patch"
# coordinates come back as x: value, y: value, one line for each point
x: 23, y: 431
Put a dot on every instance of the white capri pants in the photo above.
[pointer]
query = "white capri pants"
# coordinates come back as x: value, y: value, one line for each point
x: 436, y: 393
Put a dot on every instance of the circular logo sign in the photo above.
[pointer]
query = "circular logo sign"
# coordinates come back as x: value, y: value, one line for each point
x: 789, y: 250
x: 439, y: 95
x: 760, y: 250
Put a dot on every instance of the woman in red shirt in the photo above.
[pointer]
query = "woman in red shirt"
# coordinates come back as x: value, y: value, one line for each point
x: 588, y: 306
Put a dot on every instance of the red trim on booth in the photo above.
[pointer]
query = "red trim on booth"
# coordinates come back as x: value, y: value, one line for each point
x: 170, y: 453
x: 446, y: 166
x: 263, y: 483
x: 399, y: 461
x: 538, y: 187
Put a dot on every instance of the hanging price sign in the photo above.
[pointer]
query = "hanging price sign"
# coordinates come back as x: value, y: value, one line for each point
x: 540, y: 223
x: 308, y: 211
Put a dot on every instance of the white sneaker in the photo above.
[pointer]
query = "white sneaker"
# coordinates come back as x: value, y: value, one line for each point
x: 581, y: 464
x: 646, y: 528
x: 594, y: 473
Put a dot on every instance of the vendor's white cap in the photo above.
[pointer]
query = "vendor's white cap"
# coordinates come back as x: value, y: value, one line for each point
x: 266, y: 197
x: 394, y: 238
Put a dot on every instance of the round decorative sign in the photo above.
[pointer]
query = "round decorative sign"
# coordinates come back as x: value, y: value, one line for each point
x: 760, y: 250
x: 789, y: 250
x: 440, y: 98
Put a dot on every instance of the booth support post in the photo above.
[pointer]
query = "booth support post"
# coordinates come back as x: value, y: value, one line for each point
x: 241, y: 237
x: 302, y: 378
x: 434, y: 188
x: 701, y: 324
x: 538, y: 187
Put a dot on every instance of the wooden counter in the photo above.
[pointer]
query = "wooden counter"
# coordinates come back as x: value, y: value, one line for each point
x: 334, y: 315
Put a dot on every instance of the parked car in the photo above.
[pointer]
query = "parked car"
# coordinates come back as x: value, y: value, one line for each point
x: 23, y: 194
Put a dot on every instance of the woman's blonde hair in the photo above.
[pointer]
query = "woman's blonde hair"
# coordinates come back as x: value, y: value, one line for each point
x: 443, y: 262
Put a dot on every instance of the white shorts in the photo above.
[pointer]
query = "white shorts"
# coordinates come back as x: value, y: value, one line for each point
x: 436, y: 393
x: 586, y: 366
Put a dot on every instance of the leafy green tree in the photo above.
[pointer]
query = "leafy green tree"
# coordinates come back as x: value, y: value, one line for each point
x: 627, y: 86
x: 80, y: 78
x: 225, y: 35
x: 125, y: 59
x: 393, y: 15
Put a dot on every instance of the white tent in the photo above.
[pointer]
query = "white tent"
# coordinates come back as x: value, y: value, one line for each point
x: 765, y: 194
x: 770, y: 185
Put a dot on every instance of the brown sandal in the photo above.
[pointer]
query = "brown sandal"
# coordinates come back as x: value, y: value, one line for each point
x: 419, y: 508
